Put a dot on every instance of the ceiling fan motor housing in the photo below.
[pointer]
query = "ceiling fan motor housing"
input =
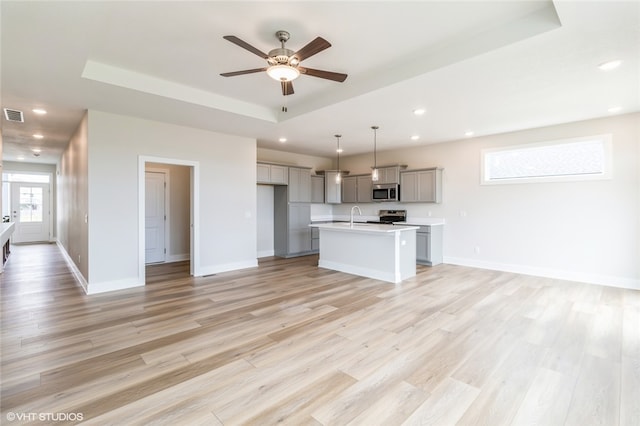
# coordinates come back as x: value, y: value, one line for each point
x: 280, y: 56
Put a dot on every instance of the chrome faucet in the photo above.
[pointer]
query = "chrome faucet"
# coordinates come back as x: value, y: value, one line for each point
x: 359, y: 212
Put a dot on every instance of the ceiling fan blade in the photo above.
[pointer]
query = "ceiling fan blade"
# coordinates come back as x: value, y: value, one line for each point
x: 335, y: 76
x: 287, y: 88
x: 231, y: 74
x: 245, y: 45
x: 315, y: 46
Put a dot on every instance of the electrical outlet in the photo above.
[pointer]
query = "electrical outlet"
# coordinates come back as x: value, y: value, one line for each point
x: 477, y: 250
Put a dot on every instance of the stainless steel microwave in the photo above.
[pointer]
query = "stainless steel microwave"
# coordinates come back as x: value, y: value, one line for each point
x: 386, y: 192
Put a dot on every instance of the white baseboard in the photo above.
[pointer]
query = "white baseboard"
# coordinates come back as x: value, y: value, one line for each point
x: 95, y: 288
x: 605, y: 280
x: 389, y: 277
x: 266, y: 253
x: 74, y: 268
x: 226, y: 267
x: 177, y: 257
x: 105, y: 286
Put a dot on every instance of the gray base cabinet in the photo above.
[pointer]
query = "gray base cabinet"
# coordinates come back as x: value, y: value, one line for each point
x: 315, y: 240
x: 429, y: 245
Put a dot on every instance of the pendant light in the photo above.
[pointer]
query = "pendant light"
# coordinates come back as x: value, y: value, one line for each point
x: 338, y: 150
x: 374, y: 171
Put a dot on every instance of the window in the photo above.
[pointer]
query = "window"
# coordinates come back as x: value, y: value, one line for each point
x: 555, y: 161
x: 26, y: 177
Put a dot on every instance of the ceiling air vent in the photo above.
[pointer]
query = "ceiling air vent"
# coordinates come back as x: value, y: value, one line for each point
x: 13, y: 115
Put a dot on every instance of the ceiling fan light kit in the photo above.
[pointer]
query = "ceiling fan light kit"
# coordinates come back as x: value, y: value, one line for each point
x: 283, y: 72
x: 284, y: 64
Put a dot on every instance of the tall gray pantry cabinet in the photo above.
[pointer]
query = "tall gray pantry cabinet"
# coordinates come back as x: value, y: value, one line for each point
x: 292, y: 214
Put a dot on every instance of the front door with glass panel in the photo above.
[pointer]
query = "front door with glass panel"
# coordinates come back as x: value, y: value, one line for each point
x: 30, y: 212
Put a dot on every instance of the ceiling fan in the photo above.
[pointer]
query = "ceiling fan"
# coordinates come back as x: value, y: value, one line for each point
x: 284, y: 64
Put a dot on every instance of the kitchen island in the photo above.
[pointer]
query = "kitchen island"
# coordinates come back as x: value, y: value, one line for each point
x: 383, y: 252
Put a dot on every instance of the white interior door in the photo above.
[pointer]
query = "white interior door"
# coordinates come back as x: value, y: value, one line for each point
x: 155, y: 217
x: 30, y: 212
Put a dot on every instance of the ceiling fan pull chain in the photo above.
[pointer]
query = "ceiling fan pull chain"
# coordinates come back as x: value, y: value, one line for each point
x: 284, y: 106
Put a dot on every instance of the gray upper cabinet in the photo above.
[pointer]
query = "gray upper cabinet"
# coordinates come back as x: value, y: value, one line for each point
x: 299, y: 185
x: 421, y: 186
x: 349, y: 189
x: 317, y: 189
x: 332, y: 189
x: 357, y: 189
x: 272, y: 174
x: 388, y: 175
x: 365, y: 188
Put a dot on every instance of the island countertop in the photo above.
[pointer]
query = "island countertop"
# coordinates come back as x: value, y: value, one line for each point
x: 363, y: 227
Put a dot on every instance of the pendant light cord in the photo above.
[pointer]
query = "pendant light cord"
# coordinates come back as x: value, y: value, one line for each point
x: 375, y: 143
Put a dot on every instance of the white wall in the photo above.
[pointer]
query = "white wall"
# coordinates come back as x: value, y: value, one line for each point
x: 72, y: 201
x: 585, y: 231
x: 227, y: 195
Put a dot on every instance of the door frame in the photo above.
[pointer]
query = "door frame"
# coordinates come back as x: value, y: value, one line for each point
x: 52, y: 206
x: 167, y: 202
x: 194, y: 251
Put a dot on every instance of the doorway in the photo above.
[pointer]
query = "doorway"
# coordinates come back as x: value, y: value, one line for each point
x: 27, y: 204
x: 168, y: 212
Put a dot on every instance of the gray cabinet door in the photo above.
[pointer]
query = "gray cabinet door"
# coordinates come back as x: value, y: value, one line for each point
x: 299, y: 230
x: 421, y: 186
x: 332, y: 189
x: 389, y: 175
x: 272, y: 173
x: 278, y: 174
x: 349, y: 189
x: 423, y: 248
x: 317, y: 189
x: 364, y: 187
x: 263, y: 173
x: 299, y: 185
x: 408, y: 187
x: 427, y: 186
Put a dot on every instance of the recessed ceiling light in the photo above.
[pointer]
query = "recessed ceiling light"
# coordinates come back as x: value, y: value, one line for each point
x: 339, y: 150
x: 36, y: 150
x: 38, y: 136
x: 469, y: 133
x: 615, y: 109
x: 39, y: 111
x: 611, y: 65
x: 282, y: 140
x: 419, y: 111
x: 415, y: 137
x: 21, y: 157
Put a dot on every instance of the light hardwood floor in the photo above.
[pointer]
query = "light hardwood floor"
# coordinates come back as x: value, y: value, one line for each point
x: 290, y: 343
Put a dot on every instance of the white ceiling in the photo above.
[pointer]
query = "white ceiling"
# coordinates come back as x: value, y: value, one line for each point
x: 489, y: 67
